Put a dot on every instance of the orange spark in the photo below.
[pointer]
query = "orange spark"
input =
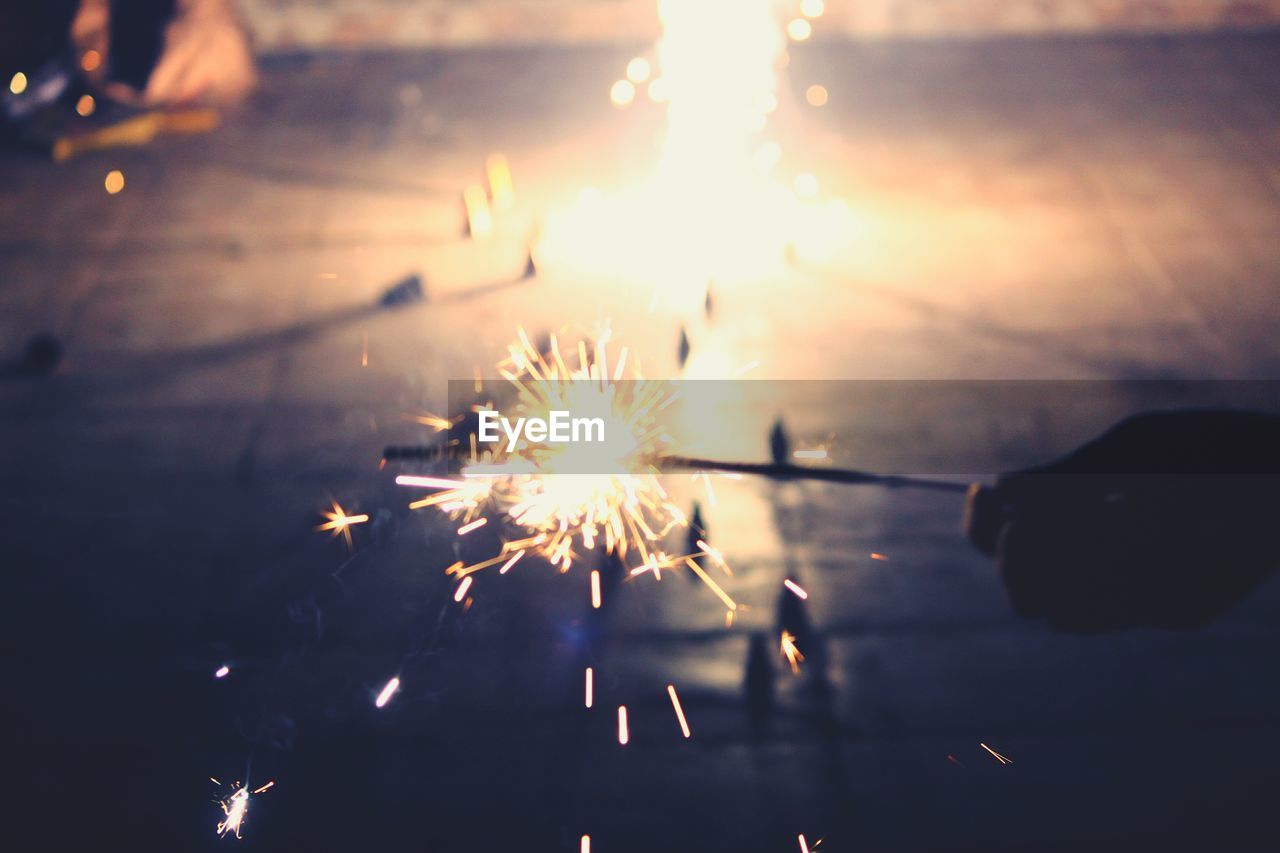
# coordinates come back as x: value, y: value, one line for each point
x: 793, y: 655
x: 1002, y: 759
x: 340, y: 522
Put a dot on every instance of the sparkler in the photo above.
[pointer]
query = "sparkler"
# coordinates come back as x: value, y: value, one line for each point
x: 557, y: 514
x: 998, y: 757
x: 675, y: 703
x: 235, y: 807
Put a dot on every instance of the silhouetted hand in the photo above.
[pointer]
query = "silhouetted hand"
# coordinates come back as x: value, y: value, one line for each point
x: 1166, y: 520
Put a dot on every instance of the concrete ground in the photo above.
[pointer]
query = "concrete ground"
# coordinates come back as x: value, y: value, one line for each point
x: 1076, y: 209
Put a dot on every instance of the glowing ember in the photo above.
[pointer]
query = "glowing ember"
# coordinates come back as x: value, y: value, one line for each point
x: 388, y: 690
x: 340, y: 522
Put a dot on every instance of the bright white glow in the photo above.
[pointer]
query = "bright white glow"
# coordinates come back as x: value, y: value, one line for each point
x: 799, y: 29
x: 462, y: 589
x: 622, y: 93
x: 223, y: 671
x: 812, y: 9
x: 589, y: 696
x: 638, y: 70
x: 388, y: 690
x: 796, y: 588
x: 806, y: 185
x: 595, y: 589
x: 624, y: 736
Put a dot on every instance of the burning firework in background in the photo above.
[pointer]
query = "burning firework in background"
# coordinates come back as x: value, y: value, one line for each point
x: 720, y: 202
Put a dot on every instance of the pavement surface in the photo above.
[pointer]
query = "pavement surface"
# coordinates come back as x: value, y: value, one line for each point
x: 1040, y: 210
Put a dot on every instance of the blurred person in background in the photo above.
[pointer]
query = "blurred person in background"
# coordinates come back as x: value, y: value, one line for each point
x: 139, y: 53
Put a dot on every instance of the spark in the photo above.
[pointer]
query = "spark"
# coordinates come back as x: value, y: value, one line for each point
x: 114, y: 181
x: 85, y: 106
x: 222, y: 672
x: 340, y: 522
x: 18, y: 83
x: 91, y: 60
x: 877, y: 556
x: 624, y: 736
x: 675, y: 703
x: 795, y: 588
x: 388, y: 690
x: 804, y: 846
x: 586, y: 844
x: 595, y: 589
x: 998, y: 757
x: 462, y: 589
x: 236, y: 807
x: 589, y: 696
x: 506, y: 567
x: 475, y: 525
x: 793, y: 655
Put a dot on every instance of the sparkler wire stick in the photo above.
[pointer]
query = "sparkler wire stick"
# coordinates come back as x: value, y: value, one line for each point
x: 773, y: 470
x: 784, y: 471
